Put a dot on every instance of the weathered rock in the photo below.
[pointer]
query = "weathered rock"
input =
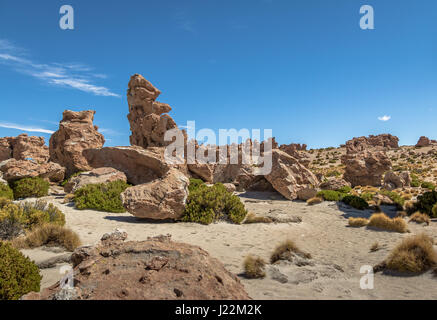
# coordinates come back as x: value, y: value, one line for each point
x: 76, y: 133
x: 289, y: 176
x: 148, y: 118
x: 334, y: 184
x: 140, y: 165
x: 306, y: 193
x: 160, y: 199
x: 393, y: 181
x: 381, y: 142
x: 24, y: 147
x: 18, y: 169
x: 100, y: 175
x: 297, y: 151
x: 365, y: 167
x: 204, y: 171
x: 423, y: 142
x: 116, y: 235
x: 230, y: 187
x: 156, y: 269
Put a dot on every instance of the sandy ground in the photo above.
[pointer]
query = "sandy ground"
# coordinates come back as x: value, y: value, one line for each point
x: 338, y: 251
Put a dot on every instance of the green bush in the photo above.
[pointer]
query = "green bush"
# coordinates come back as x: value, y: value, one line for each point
x: 66, y: 180
x: 30, y: 187
x: 208, y: 204
x: 101, y: 197
x: 395, y: 197
x: 6, y: 191
x: 426, y: 202
x: 415, y: 182
x: 344, y: 189
x: 434, y: 211
x: 355, y: 202
x: 368, y: 196
x: 330, y: 195
x: 18, y: 274
x: 195, y: 184
x: 17, y: 217
x: 428, y: 185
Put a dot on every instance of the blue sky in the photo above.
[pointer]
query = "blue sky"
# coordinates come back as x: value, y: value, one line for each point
x: 302, y: 68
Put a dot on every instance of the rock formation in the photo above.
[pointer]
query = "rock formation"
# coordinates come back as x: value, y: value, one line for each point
x: 393, y: 181
x: 76, y: 133
x: 297, y: 151
x: 148, y: 118
x: 19, y: 169
x: 140, y: 165
x: 423, y: 142
x: 380, y: 142
x: 289, y: 176
x: 100, y: 175
x: 24, y: 147
x: 156, y: 269
x: 160, y: 199
x: 334, y: 184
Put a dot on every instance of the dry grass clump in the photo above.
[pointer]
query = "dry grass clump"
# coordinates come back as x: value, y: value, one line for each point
x: 375, y: 247
x: 413, y: 254
x: 253, y: 218
x: 358, y: 222
x: 382, y: 221
x: 314, y: 200
x: 410, y: 206
x: 254, y: 267
x: 48, y: 235
x: 419, y: 217
x: 401, y: 214
x: 283, y: 251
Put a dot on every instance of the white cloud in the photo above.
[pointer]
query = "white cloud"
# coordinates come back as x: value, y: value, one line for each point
x: 384, y: 118
x: 24, y: 128
x: 73, y: 75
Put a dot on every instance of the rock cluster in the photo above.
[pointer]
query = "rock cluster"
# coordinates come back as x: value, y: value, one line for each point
x: 95, y: 176
x: 366, y: 161
x: 394, y: 181
x: 423, y: 142
x: 76, y: 133
x: 19, y: 169
x: 155, y: 269
x: 24, y: 147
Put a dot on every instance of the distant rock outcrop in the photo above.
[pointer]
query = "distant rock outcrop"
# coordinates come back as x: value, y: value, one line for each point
x: 148, y: 118
x: 24, y: 147
x: 380, y: 142
x: 76, y: 133
x: 423, y: 142
x: 155, y: 269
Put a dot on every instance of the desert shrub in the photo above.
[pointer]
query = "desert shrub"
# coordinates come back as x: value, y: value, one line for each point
x: 30, y: 187
x: 394, y: 196
x: 195, y: 184
x: 330, y: 195
x: 6, y: 191
x: 333, y: 173
x: 426, y: 201
x: 375, y: 247
x: 253, y: 218
x: 14, y: 218
x: 314, y: 200
x: 208, y: 204
x: 355, y: 202
x: 358, y: 222
x: 382, y: 221
x: 368, y: 196
x: 415, y: 182
x: 413, y: 254
x: 101, y: 196
x: 428, y: 185
x: 420, y: 218
x: 344, y: 189
x: 18, y: 274
x: 49, y: 235
x: 254, y: 267
x: 284, y: 251
x: 434, y: 211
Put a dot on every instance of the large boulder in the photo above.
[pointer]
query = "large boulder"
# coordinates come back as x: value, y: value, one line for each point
x: 160, y: 199
x: 140, y: 165
x: 148, y: 118
x: 76, y: 133
x: 19, y: 169
x: 394, y: 181
x: 334, y: 184
x: 24, y: 147
x: 95, y: 176
x: 288, y: 176
x: 365, y: 168
x: 155, y: 269
x: 423, y: 142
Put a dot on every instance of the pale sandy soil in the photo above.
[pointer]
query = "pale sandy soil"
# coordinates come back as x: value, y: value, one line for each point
x: 338, y: 251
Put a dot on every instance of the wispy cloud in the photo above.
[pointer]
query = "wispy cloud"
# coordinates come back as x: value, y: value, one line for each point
x: 73, y: 75
x: 384, y: 118
x: 24, y: 128
x: 184, y: 22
